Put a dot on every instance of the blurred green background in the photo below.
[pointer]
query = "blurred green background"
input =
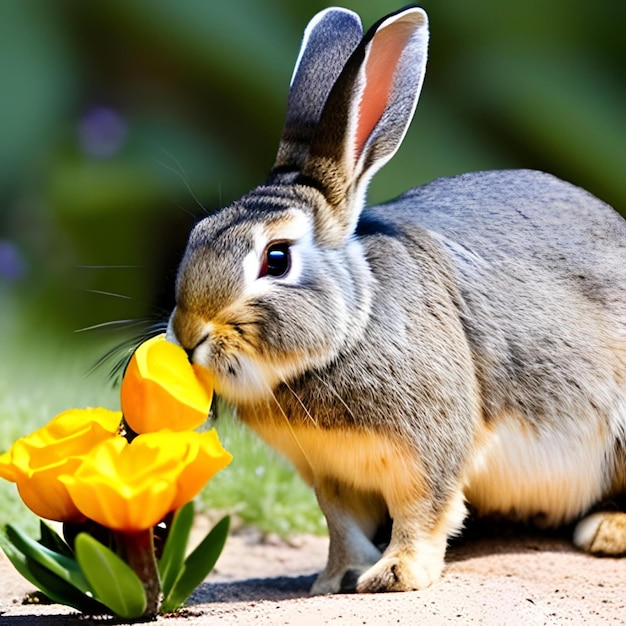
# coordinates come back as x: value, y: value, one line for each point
x: 121, y: 122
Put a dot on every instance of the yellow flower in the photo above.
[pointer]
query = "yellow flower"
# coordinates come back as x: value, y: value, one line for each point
x: 131, y: 487
x: 162, y: 389
x: 35, y: 462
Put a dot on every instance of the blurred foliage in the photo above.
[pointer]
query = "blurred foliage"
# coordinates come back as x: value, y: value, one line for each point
x: 122, y: 122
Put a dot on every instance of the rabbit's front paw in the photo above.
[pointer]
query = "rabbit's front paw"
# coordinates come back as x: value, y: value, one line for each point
x: 341, y: 582
x: 401, y: 573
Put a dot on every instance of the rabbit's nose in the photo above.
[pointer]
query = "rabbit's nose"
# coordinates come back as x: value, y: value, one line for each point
x: 188, y: 330
x: 189, y: 352
x: 196, y: 352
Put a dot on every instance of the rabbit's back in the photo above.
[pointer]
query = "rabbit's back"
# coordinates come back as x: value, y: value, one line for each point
x: 531, y: 244
x: 541, y: 273
x: 526, y: 214
x: 524, y: 238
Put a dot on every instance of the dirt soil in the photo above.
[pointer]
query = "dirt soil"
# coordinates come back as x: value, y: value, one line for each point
x: 496, y: 576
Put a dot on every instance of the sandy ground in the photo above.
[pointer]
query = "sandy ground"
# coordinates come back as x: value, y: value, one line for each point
x: 503, y: 576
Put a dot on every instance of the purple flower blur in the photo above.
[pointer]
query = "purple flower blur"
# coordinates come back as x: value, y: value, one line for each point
x: 12, y: 264
x: 102, y: 132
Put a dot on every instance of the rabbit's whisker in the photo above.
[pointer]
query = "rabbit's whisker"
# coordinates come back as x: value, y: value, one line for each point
x: 179, y: 170
x: 109, y: 293
x: 290, y: 427
x: 334, y: 392
x: 111, y: 267
x: 297, y: 397
x: 120, y: 354
x: 156, y: 311
x: 129, y: 323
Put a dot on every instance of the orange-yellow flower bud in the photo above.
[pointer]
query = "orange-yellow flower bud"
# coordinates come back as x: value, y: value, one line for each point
x: 160, y: 389
x: 131, y: 487
x: 36, y: 461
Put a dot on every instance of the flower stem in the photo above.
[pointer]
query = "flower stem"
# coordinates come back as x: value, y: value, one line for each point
x: 139, y: 552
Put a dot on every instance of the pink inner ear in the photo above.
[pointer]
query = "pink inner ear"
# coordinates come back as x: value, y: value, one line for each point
x: 385, y: 51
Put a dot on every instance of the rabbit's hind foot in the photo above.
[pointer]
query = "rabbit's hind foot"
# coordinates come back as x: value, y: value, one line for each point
x: 602, y: 533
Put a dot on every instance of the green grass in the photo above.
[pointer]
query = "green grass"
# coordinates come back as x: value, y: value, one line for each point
x: 42, y: 375
x: 260, y: 488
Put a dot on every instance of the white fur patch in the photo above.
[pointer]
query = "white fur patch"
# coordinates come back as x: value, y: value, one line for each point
x: 252, y: 262
x: 254, y: 381
x: 552, y: 477
x: 586, y: 531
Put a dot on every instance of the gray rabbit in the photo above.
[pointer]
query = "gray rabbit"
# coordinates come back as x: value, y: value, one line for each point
x: 465, y: 342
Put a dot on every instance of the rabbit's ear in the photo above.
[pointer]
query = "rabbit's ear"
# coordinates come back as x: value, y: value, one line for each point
x: 368, y: 113
x: 329, y: 40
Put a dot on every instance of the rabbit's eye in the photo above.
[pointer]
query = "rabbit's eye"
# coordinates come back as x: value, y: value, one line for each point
x: 276, y: 260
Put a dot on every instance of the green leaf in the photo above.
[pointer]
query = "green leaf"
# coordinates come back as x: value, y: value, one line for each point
x: 197, y: 566
x: 54, y: 587
x: 50, y: 539
x: 113, y: 582
x: 65, y: 593
x: 66, y: 568
x: 171, y: 562
x: 23, y: 565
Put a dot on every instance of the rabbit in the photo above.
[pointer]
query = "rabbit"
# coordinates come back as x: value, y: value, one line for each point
x: 462, y: 344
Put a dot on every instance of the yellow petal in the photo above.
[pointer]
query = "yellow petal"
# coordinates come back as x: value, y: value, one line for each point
x: 161, y: 389
x: 131, y: 487
x: 47, y: 497
x: 7, y: 470
x: 205, y: 460
x: 118, y: 506
x: 35, y: 462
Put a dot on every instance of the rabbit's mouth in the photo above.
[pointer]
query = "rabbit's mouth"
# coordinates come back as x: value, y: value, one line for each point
x: 239, y: 374
x: 242, y: 379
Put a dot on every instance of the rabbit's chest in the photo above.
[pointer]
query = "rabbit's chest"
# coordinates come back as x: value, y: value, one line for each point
x: 362, y: 460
